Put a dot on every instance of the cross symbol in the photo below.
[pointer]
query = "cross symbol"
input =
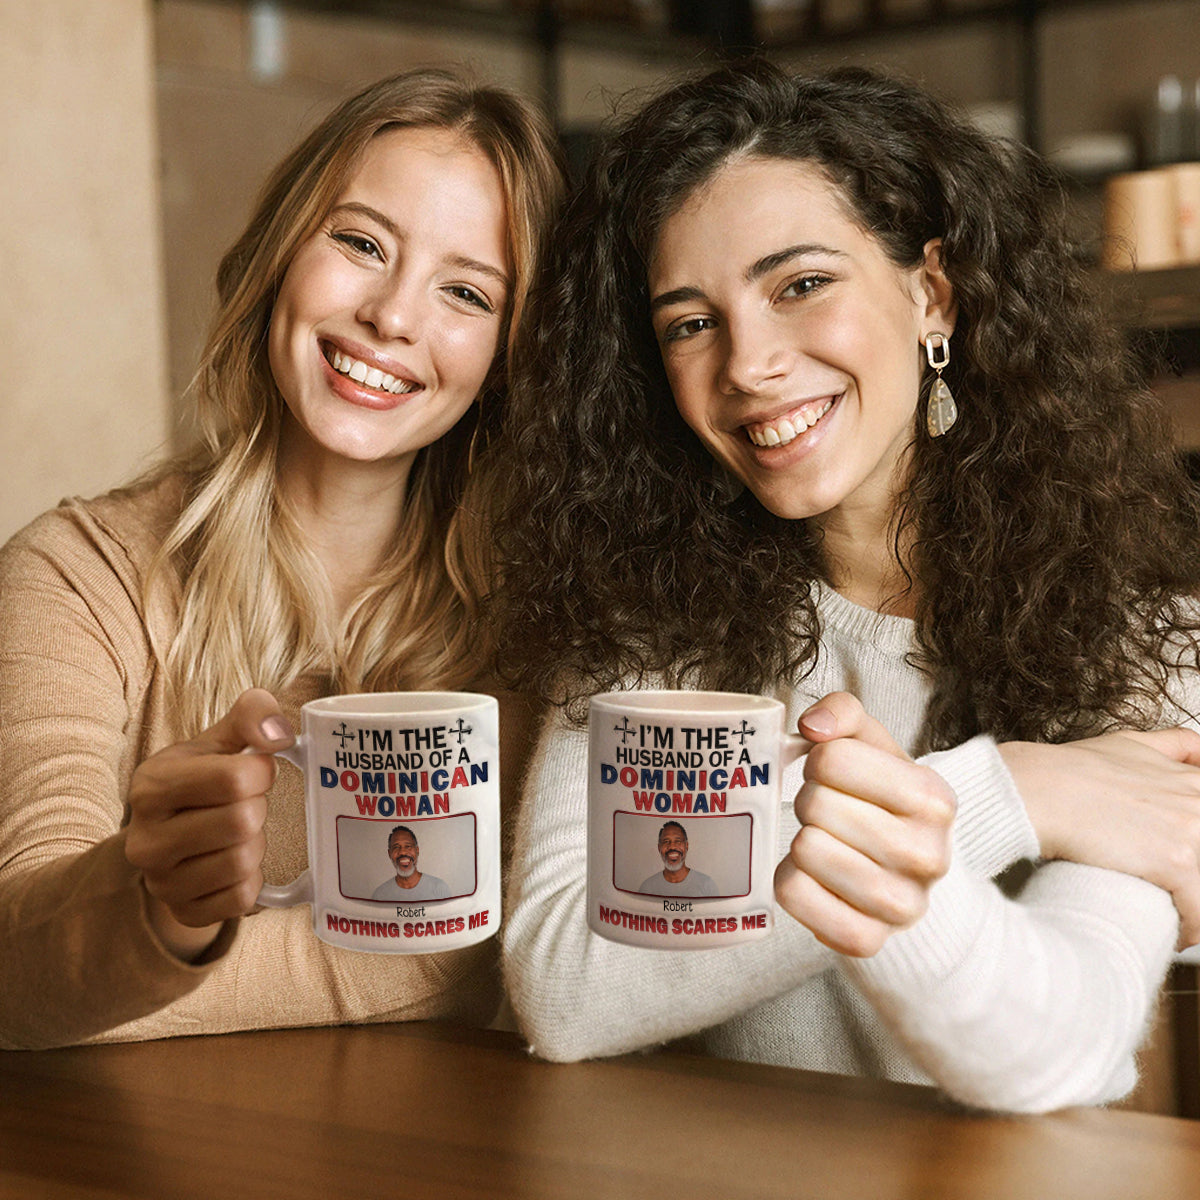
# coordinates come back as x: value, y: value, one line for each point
x: 625, y: 730
x: 745, y: 732
x: 346, y: 735
x: 460, y: 730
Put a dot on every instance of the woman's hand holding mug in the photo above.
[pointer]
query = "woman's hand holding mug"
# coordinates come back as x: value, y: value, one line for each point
x: 197, y: 811
x: 875, y: 832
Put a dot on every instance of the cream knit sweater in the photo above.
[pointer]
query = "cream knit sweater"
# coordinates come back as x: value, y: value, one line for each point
x: 1024, y: 1005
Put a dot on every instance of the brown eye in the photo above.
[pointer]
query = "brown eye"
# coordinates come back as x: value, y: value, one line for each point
x: 806, y: 285
x: 688, y: 328
x: 359, y: 244
x: 470, y: 296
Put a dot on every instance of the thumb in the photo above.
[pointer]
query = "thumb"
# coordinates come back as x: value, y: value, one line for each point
x: 841, y: 715
x: 255, y: 722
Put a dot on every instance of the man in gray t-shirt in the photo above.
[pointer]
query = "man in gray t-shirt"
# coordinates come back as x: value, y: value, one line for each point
x: 677, y: 878
x: 408, y: 884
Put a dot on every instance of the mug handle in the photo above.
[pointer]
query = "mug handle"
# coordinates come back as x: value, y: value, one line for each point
x: 300, y: 890
x: 794, y: 746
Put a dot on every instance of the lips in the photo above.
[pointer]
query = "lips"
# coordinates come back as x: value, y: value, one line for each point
x: 781, y: 430
x: 368, y: 375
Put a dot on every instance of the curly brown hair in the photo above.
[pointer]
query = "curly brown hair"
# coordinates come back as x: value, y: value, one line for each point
x: 1054, y: 534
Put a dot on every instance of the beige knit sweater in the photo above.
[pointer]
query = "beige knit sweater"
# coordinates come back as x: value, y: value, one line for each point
x: 82, y: 703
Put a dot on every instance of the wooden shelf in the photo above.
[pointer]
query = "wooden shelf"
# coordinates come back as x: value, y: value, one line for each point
x: 647, y: 32
x: 1160, y: 300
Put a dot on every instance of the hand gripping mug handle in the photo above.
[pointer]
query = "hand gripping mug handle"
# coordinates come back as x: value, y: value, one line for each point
x: 300, y: 890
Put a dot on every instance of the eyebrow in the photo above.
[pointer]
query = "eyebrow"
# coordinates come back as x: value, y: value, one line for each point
x: 462, y: 261
x: 677, y: 296
x: 778, y: 258
x: 755, y: 271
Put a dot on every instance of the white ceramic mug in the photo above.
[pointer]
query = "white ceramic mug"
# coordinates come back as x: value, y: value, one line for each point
x: 683, y: 816
x: 402, y: 804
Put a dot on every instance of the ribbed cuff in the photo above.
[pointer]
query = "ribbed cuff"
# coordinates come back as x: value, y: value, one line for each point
x: 992, y: 829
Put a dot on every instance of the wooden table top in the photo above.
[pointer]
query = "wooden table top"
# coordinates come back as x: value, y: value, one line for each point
x: 434, y: 1111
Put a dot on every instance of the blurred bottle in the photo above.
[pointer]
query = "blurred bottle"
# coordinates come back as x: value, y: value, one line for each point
x: 1169, y: 136
x: 1186, y: 178
x: 1192, y: 151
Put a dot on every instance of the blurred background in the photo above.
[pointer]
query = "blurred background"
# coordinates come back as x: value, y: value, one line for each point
x: 137, y: 132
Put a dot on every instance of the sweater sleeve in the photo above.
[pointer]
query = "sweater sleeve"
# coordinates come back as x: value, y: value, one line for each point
x: 577, y: 995
x: 1034, y: 1003
x: 80, y: 960
x: 1031, y: 1004
x: 992, y: 829
x: 78, y: 954
x: 1027, y: 1004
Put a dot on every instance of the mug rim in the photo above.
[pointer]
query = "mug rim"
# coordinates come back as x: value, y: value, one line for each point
x: 375, y: 705
x: 712, y: 703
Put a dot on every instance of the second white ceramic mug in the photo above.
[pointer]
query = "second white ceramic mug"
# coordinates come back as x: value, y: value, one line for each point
x: 683, y: 816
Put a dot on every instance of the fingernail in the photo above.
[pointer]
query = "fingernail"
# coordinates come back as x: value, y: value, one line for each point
x: 276, y: 729
x: 819, y: 720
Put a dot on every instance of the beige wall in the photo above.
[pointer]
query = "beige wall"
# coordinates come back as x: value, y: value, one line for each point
x: 80, y: 310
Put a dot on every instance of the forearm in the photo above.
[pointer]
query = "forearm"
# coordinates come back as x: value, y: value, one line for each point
x: 81, y: 963
x: 277, y: 974
x: 1028, y: 1005
x: 79, y: 955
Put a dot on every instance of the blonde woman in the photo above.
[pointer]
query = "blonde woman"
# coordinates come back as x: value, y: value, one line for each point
x: 323, y: 538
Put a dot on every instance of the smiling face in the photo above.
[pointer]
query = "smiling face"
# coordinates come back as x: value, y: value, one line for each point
x: 673, y: 848
x: 791, y: 341
x: 404, y: 852
x: 388, y: 317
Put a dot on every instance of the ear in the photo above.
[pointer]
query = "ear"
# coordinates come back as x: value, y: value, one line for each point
x: 941, y: 307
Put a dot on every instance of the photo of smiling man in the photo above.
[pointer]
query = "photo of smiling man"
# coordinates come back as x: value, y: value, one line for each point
x: 677, y: 878
x: 408, y: 883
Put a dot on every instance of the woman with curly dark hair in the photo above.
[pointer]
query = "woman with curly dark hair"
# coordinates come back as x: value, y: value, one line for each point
x: 823, y: 403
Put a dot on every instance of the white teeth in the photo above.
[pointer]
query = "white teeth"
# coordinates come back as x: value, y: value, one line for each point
x: 787, y: 429
x: 371, y: 376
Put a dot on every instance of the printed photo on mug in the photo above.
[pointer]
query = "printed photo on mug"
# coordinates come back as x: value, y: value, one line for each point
x: 684, y: 800
x: 701, y: 855
x: 430, y: 858
x: 402, y: 805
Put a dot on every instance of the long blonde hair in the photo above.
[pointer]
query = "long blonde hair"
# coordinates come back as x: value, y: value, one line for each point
x: 254, y: 605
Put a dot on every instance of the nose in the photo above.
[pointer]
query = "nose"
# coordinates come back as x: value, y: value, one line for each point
x: 394, y: 308
x: 755, y: 355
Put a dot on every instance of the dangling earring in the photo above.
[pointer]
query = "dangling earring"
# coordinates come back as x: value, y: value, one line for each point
x: 942, y: 411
